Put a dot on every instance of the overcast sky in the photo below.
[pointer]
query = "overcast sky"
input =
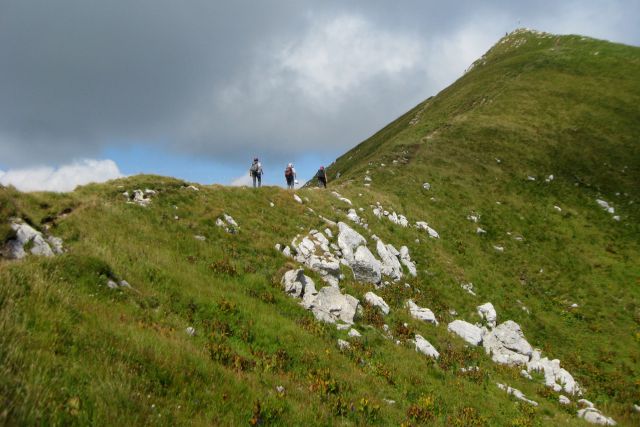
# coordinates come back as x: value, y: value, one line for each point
x: 90, y: 90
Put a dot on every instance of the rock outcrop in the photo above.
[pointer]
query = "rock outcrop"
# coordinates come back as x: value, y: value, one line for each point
x: 35, y: 241
x: 465, y: 330
x: 506, y: 344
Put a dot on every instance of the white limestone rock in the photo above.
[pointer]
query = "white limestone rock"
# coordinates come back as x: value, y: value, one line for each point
x: 343, y: 345
x: 366, y: 268
x: 199, y: 237
x: 594, y: 416
x: 424, y: 226
x: 564, y: 400
x: 426, y: 186
x: 190, y: 331
x: 421, y: 313
x: 297, y: 198
x: 349, y: 240
x: 353, y: 216
x: 405, y: 258
x: 554, y: 376
x: 465, y: 330
x: 390, y: 265
x: 516, y: 393
x: 27, y: 235
x: 423, y: 346
x: 488, y: 313
x: 354, y: 333
x: 376, y: 301
x: 330, y: 306
x: 506, y: 344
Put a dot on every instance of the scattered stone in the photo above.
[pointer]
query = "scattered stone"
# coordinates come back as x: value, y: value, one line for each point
x: 564, y: 400
x: 297, y: 198
x: 558, y: 208
x: 473, y: 217
x: 389, y: 262
x: 498, y: 248
x: 280, y: 389
x: 297, y: 285
x: 367, y: 178
x: 549, y: 178
x: 389, y: 401
x: 140, y: 199
x: 480, y: 231
x: 349, y: 240
x: 339, y: 197
x: 278, y: 246
x: 202, y: 238
x: 585, y: 403
x: 636, y: 408
x: 342, y: 326
x: 424, y: 226
x: 353, y: 216
x: 516, y: 393
x: 376, y: 301
x: 488, y: 313
x: 354, y: 333
x: 190, y: 331
x: 423, y: 346
x: 531, y: 178
x: 594, y: 416
x: 343, y: 345
x: 421, y: 313
x: 506, y: 344
x: 604, y: 205
x: 405, y: 258
x: 272, y: 205
x: 192, y: 188
x: 469, y: 288
x: 426, y: 186
x: 524, y: 373
x: 465, y: 330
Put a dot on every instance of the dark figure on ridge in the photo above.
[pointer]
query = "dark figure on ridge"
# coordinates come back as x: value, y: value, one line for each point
x: 255, y: 172
x: 322, y: 177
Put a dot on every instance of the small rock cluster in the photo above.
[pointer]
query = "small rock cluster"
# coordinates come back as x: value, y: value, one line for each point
x: 35, y: 241
x: 380, y: 212
x: 327, y: 305
x: 139, y: 197
x: 321, y: 255
x: 607, y: 207
x: 227, y: 223
x: 593, y: 415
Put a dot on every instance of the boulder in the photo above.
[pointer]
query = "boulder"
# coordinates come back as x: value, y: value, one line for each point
x: 390, y: 265
x: 349, y: 240
x: 366, y: 268
x: 564, y: 400
x: 488, y: 313
x: 353, y: 216
x: 594, y: 416
x: 294, y: 282
x: 465, y: 330
x: 27, y: 235
x: 423, y: 346
x: 421, y: 313
x: 376, y: 301
x: 506, y: 344
x: 330, y: 306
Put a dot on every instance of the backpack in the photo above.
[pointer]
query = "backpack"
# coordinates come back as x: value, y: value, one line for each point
x: 255, y: 167
x: 321, y: 174
x: 288, y: 171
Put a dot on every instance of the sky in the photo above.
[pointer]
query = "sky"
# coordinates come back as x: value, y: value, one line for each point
x: 94, y: 90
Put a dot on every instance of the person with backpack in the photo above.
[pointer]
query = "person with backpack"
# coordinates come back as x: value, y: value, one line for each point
x: 290, y: 176
x: 255, y: 172
x: 322, y: 177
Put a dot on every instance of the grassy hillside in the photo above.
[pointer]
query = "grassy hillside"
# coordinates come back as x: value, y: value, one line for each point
x: 74, y: 351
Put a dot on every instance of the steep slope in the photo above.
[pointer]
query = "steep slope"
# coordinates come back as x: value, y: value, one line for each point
x: 78, y: 348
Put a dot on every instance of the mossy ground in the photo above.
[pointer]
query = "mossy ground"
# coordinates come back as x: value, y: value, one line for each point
x: 73, y: 351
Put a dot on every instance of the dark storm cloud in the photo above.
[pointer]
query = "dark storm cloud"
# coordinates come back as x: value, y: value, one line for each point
x: 221, y: 79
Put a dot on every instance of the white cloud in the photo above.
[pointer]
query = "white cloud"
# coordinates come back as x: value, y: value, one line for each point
x: 64, y: 178
x: 242, y: 180
x: 338, y: 55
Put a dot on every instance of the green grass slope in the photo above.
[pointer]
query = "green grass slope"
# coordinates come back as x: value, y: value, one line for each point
x: 74, y: 352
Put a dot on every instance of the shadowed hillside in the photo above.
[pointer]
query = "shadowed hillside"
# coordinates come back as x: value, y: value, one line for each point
x: 517, y: 185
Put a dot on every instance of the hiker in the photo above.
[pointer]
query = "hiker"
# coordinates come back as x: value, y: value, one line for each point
x: 255, y: 172
x: 322, y: 177
x: 290, y: 176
